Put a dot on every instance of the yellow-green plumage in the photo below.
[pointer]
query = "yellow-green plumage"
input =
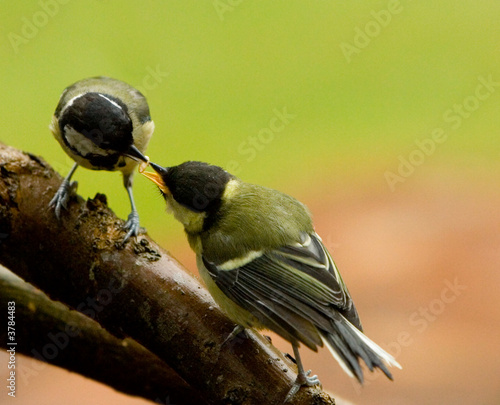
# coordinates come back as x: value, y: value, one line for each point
x: 264, y: 265
x: 253, y: 217
x: 236, y: 313
x: 257, y: 208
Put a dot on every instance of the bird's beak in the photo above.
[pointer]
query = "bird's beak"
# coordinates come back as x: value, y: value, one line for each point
x: 157, y: 177
x: 162, y: 171
x: 136, y: 154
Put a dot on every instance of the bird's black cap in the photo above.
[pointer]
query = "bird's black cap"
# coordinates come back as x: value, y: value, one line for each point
x: 101, y: 118
x: 196, y: 185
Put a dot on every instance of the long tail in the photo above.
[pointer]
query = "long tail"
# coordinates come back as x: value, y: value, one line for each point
x: 349, y: 344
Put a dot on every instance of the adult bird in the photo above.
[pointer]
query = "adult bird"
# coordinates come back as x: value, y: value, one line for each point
x: 102, y: 124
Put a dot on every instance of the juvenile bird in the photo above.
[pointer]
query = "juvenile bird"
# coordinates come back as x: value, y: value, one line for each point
x: 102, y: 124
x: 265, y: 266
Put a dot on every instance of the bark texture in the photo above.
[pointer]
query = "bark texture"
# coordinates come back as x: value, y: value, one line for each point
x: 136, y: 291
x: 51, y: 332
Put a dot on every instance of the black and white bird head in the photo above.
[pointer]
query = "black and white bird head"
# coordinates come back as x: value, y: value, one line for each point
x: 197, y: 186
x: 95, y: 126
x: 193, y: 191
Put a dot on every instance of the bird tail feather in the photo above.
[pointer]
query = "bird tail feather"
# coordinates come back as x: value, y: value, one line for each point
x: 349, y: 344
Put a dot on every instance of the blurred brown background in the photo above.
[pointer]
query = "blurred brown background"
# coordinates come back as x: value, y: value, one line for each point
x: 422, y: 267
x: 391, y: 139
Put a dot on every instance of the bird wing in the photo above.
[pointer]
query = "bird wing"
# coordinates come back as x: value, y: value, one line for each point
x: 293, y: 290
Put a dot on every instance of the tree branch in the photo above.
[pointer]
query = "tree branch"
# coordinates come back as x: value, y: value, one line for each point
x: 49, y: 331
x: 138, y: 291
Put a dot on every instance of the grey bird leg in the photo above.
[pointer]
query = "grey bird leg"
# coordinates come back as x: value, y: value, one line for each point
x: 132, y: 225
x: 62, y: 195
x: 302, y: 377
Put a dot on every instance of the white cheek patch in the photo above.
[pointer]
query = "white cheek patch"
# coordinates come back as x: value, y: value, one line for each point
x: 83, y: 145
x: 169, y: 209
x: 192, y: 221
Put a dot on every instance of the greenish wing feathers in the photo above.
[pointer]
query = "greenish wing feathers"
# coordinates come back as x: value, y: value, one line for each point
x: 294, y: 290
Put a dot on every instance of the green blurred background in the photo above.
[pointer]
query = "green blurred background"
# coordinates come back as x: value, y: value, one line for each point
x: 363, y: 83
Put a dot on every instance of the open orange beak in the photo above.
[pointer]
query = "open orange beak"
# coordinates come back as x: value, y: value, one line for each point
x: 156, y: 178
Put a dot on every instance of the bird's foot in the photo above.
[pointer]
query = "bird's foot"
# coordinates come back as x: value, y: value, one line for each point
x: 302, y: 380
x: 238, y: 330
x: 62, y: 196
x: 132, y: 226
